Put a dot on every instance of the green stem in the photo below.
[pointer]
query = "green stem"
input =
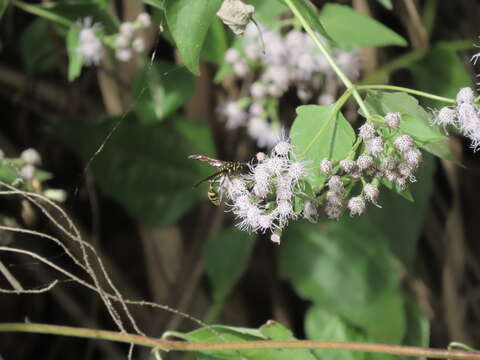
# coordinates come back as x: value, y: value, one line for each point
x: 169, y: 345
x: 407, y: 90
x: 346, y: 81
x: 40, y: 11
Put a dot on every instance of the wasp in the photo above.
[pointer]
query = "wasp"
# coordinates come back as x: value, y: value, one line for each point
x: 225, y: 169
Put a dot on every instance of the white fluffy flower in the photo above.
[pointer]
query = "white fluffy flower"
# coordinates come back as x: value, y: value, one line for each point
x: 27, y: 172
x: 123, y: 54
x: 445, y: 116
x: 232, y: 55
x: 138, y: 45
x: 144, y: 20
x: 31, y: 156
x: 282, y: 148
x: 234, y: 115
x: 374, y: 146
x: 89, y: 47
x: 465, y: 95
x: 258, y: 90
x: 297, y: 170
x: 403, y: 143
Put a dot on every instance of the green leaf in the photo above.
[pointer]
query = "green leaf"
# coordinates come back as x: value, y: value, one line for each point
x: 403, y: 231
x: 189, y: 22
x: 267, y: 12
x: 37, y: 59
x: 273, y: 330
x: 144, y: 168
x: 354, y: 30
x: 418, y: 327
x: 319, y: 132
x: 160, y: 89
x: 346, y: 257
x: 444, y: 77
x: 322, y: 325
x: 159, y: 4
x: 276, y: 331
x: 75, y: 61
x: 306, y: 10
x: 199, y: 136
x: 3, y: 6
x: 226, y: 257
x: 215, y: 43
x: 67, y: 13
x: 9, y: 171
x: 386, y: 3
x: 416, y: 122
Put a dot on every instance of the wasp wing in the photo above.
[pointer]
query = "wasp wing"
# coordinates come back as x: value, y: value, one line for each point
x: 209, y: 160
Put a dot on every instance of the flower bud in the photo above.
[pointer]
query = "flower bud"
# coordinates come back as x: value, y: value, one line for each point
x: 364, y: 162
x: 348, y: 166
x: 335, y: 183
x: 356, y: 205
x: 366, y: 131
x: 325, y: 166
x: 393, y: 119
x: 371, y: 192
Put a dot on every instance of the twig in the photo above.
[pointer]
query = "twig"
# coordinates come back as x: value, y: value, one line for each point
x: 169, y: 345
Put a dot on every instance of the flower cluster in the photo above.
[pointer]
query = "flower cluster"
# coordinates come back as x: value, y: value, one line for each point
x: 90, y: 47
x: 128, y: 41
x: 285, y: 61
x: 388, y: 157
x: 465, y: 117
x: 91, y: 40
x: 264, y: 198
x: 31, y: 159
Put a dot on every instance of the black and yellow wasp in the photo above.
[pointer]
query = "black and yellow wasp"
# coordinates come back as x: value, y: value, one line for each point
x: 226, y: 169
